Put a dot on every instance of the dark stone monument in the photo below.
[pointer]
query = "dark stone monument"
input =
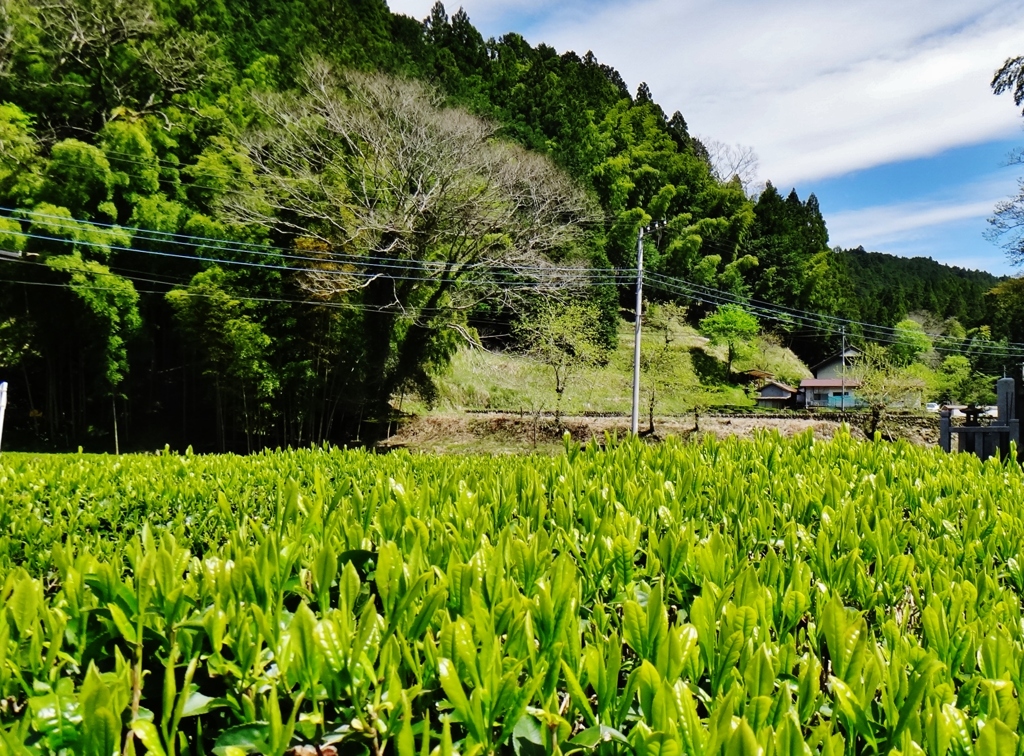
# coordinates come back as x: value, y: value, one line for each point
x: 984, y: 440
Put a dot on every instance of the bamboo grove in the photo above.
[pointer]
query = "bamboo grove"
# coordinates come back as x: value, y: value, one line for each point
x: 773, y: 596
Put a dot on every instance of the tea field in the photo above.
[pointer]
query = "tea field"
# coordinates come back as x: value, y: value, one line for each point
x: 775, y: 596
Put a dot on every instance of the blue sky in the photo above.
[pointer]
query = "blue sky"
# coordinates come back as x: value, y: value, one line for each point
x: 935, y: 206
x: 883, y: 109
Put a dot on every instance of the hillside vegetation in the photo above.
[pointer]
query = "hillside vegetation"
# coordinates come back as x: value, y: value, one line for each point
x: 502, y: 381
x: 248, y: 224
x: 890, y: 287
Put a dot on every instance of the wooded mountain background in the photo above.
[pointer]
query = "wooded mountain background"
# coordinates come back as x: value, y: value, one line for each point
x: 251, y: 223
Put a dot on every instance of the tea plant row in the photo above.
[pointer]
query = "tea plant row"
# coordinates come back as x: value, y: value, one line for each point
x: 774, y: 596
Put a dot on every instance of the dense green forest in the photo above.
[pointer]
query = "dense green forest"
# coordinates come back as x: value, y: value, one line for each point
x: 242, y: 224
x: 888, y: 286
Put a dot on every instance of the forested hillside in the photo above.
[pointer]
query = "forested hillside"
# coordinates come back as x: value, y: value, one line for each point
x: 889, y: 287
x: 243, y: 224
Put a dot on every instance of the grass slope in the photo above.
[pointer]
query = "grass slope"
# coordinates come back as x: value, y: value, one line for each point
x: 691, y: 374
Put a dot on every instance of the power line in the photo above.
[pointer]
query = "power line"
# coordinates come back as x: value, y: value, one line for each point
x: 136, y: 275
x: 248, y: 298
x: 413, y: 313
x: 785, y: 314
x: 368, y: 261
x: 676, y: 286
x: 817, y: 321
x: 592, y: 275
x: 226, y: 245
x: 833, y: 322
x: 371, y: 261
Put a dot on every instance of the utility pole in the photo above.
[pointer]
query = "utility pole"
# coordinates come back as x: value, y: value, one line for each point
x: 634, y: 418
x: 842, y: 356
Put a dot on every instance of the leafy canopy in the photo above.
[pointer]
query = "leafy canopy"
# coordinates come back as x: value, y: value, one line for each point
x: 731, y: 325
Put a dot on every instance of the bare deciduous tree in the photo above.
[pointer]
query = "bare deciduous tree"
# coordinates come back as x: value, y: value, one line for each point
x: 415, y: 211
x: 6, y: 37
x: 662, y: 362
x: 1007, y: 223
x: 884, y: 384
x: 728, y: 160
x: 81, y: 30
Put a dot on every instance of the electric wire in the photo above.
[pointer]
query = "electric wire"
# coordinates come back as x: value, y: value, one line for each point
x: 368, y: 261
x: 990, y: 350
x: 878, y: 333
x: 249, y: 298
x: 833, y: 321
x: 613, y: 275
x: 822, y: 323
x: 676, y: 286
x: 225, y: 245
x: 592, y: 275
x: 414, y: 313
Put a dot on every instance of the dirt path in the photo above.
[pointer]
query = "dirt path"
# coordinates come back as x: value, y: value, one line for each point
x: 498, y: 433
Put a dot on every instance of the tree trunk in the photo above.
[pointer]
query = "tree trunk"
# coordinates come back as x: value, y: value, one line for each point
x: 221, y: 433
x: 378, y: 335
x: 876, y: 419
x: 245, y: 416
x: 113, y: 406
x: 185, y: 373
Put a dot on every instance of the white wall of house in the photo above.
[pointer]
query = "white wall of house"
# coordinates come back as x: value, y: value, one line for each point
x: 833, y: 368
x: 831, y: 397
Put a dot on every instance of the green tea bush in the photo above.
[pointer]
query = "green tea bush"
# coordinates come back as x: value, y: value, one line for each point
x: 774, y: 596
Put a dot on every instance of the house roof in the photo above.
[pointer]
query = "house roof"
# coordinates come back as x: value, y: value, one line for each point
x: 783, y: 386
x: 829, y: 383
x: 781, y: 402
x: 850, y: 352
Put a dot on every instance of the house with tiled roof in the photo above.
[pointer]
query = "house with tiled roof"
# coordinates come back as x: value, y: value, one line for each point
x: 831, y: 385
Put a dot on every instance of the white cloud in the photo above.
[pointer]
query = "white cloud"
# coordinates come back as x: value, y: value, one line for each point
x: 818, y: 89
x: 947, y: 226
x: 876, y: 224
x: 884, y: 225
